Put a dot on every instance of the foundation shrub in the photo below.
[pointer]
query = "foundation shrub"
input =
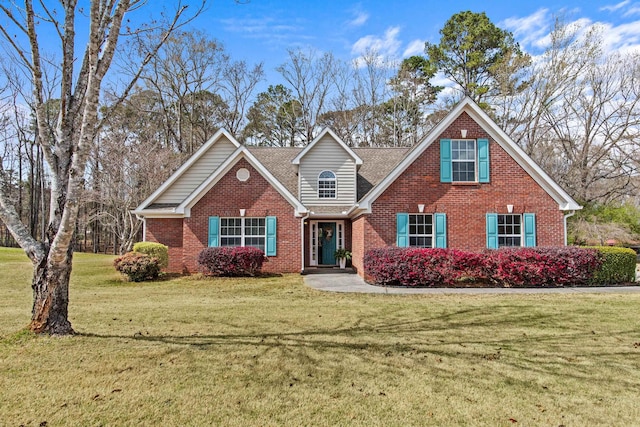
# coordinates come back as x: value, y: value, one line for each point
x: 618, y: 265
x: 422, y: 266
x: 513, y: 267
x: 543, y: 267
x: 137, y: 266
x: 231, y: 261
x: 153, y: 249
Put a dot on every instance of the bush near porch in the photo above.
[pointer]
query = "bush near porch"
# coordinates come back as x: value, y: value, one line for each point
x: 509, y: 267
x: 232, y: 261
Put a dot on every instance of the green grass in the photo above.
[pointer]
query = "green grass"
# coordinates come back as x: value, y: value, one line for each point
x: 270, y: 351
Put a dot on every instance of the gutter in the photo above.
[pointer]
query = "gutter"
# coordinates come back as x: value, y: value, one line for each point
x: 570, y: 214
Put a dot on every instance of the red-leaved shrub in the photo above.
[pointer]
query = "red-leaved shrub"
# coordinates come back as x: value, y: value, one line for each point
x: 231, y: 261
x: 542, y: 267
x: 421, y: 266
x: 505, y: 267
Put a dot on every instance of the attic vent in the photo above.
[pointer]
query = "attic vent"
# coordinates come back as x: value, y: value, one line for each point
x: 243, y: 174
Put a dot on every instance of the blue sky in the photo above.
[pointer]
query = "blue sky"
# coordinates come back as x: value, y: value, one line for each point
x: 263, y: 30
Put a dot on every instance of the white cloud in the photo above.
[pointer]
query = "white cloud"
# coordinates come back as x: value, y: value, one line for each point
x: 622, y: 38
x: 529, y: 30
x: 387, y: 45
x: 360, y: 19
x: 416, y: 47
x: 614, y: 7
x: 633, y: 10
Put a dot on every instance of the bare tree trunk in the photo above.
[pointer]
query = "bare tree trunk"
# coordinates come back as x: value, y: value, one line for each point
x: 51, y: 297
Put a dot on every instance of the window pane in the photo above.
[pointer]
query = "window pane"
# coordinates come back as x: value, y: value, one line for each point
x: 463, y: 164
x: 326, y: 185
x: 421, y: 230
x: 256, y: 242
x: 509, y: 230
x: 230, y: 241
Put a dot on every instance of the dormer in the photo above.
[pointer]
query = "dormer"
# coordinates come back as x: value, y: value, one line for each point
x: 327, y: 170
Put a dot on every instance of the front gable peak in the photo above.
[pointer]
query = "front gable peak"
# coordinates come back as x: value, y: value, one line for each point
x: 327, y: 132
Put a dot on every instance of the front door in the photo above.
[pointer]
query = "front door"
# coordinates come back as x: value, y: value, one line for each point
x: 327, y: 242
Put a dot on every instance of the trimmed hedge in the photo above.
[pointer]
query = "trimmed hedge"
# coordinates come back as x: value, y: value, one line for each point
x: 509, y: 267
x: 543, y: 267
x: 618, y: 265
x: 137, y: 266
x: 153, y: 249
x: 421, y: 267
x: 231, y: 261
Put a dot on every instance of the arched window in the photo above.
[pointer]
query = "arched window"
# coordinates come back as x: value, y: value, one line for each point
x: 327, y: 185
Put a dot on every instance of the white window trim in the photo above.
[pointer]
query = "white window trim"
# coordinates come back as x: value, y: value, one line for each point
x: 335, y: 184
x: 242, y: 235
x: 475, y: 159
x: 521, y: 235
x: 432, y: 235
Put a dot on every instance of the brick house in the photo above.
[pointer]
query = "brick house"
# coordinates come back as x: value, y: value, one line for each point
x: 466, y: 185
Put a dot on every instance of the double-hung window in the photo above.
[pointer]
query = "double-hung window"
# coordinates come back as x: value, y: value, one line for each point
x: 463, y: 160
x: 327, y: 185
x: 505, y: 230
x: 243, y: 232
x: 509, y: 230
x: 421, y: 230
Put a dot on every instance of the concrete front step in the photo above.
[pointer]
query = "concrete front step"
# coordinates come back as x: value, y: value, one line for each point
x: 328, y: 270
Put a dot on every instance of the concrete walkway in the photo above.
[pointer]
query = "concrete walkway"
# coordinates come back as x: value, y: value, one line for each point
x: 355, y: 283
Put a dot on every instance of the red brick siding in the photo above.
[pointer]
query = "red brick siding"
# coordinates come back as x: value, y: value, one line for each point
x: 167, y: 231
x: 465, y: 205
x: 259, y: 199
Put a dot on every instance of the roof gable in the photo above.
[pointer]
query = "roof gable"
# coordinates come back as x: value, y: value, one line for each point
x: 222, y: 134
x: 327, y: 131
x: 241, y: 152
x: 467, y: 105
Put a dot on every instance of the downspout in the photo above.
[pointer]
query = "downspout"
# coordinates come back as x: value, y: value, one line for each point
x: 570, y: 214
x: 304, y: 218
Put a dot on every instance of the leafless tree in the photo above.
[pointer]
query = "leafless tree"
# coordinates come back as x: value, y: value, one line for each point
x: 579, y: 115
x: 67, y: 143
x: 310, y: 75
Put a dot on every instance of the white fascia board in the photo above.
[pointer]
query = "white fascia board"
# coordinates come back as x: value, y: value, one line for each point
x: 186, y: 165
x: 241, y: 152
x: 325, y: 131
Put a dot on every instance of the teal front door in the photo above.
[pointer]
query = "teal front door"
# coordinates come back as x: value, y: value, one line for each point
x: 328, y: 242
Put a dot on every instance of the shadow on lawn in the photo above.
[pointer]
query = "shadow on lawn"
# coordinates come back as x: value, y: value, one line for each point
x: 540, y: 343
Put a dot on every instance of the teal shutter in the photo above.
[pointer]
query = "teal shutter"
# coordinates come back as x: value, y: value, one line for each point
x: 483, y: 160
x: 492, y: 231
x: 402, y: 230
x: 445, y: 161
x: 440, y: 221
x: 529, y: 229
x: 271, y: 235
x: 214, y: 231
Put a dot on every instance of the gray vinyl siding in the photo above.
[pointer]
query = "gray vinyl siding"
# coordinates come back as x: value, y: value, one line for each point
x: 327, y: 154
x: 198, y: 172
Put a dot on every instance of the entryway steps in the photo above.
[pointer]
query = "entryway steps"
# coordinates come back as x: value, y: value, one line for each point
x: 328, y: 270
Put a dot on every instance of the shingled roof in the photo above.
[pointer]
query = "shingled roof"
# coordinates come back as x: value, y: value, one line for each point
x: 377, y: 163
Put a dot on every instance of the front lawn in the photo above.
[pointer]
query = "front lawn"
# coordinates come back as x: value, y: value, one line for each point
x: 270, y: 351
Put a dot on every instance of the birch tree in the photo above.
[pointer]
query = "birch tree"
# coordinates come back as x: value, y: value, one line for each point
x: 27, y: 32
